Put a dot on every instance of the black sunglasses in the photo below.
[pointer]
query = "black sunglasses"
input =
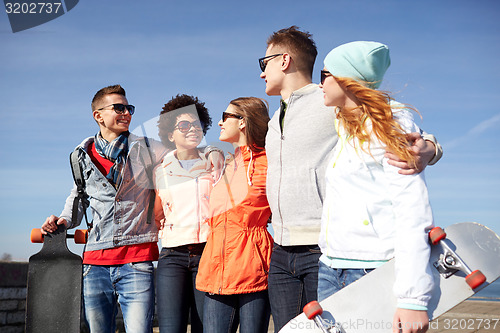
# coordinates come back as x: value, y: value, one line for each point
x: 184, y: 126
x: 226, y: 115
x: 263, y: 63
x: 120, y: 108
x: 324, y: 75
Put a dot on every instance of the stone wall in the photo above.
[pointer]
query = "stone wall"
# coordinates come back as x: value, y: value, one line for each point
x: 13, y: 277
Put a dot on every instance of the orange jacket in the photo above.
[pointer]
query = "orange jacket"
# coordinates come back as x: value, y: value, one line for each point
x: 238, y: 250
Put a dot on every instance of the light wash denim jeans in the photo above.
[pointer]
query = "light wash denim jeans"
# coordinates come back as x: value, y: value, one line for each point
x: 222, y: 313
x: 176, y: 292
x: 331, y: 280
x: 293, y: 281
x: 130, y: 285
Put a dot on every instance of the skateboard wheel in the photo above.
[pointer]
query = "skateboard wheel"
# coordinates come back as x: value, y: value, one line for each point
x: 313, y: 309
x: 475, y: 279
x: 36, y: 235
x: 81, y: 236
x: 436, y: 234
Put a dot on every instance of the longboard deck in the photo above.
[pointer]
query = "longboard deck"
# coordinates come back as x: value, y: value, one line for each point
x: 368, y: 305
x: 54, y: 288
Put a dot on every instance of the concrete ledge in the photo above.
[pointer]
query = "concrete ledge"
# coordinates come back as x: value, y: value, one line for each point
x: 14, y: 274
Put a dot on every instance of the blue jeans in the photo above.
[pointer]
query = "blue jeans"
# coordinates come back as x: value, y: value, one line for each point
x: 293, y: 281
x: 176, y: 293
x: 222, y: 313
x: 130, y: 285
x: 331, y: 280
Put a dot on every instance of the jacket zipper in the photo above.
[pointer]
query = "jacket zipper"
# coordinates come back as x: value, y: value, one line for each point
x: 198, y: 209
x: 225, y: 224
x: 282, y: 138
x: 222, y: 254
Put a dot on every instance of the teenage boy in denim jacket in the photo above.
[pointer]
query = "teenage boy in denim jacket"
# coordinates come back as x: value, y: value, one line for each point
x: 299, y: 142
x: 123, y: 240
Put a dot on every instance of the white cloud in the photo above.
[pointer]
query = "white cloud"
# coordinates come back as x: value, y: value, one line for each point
x: 475, y: 131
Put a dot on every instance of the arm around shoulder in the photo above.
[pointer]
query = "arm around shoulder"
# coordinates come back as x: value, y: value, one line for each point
x: 438, y: 150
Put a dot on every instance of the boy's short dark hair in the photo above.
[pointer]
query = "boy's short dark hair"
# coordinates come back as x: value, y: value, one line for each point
x: 168, y: 116
x: 114, y: 89
x: 300, y: 44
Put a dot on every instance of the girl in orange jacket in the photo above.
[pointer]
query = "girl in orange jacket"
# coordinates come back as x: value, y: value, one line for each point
x: 234, y: 266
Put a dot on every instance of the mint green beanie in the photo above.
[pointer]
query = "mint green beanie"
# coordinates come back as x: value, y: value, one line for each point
x: 362, y: 61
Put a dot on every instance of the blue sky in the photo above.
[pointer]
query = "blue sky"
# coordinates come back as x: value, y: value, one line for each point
x: 444, y: 62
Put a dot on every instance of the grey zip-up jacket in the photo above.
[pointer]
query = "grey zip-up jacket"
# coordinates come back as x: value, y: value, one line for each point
x: 120, y: 216
x: 297, y: 161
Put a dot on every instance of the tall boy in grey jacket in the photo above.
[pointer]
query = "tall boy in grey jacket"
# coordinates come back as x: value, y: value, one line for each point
x: 299, y: 142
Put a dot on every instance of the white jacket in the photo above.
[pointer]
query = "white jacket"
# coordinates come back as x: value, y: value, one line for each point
x: 181, y: 206
x: 371, y: 212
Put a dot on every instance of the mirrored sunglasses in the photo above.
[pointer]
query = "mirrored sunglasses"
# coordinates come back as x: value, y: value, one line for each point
x: 184, y: 126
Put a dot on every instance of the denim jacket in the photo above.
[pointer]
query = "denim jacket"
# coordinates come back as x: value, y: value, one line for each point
x: 120, y: 216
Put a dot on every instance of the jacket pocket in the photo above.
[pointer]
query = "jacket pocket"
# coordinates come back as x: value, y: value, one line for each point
x: 90, y: 181
x: 316, y: 184
x: 259, y: 258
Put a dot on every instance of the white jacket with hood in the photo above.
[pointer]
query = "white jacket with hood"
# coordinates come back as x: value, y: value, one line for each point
x: 181, y: 206
x: 373, y: 213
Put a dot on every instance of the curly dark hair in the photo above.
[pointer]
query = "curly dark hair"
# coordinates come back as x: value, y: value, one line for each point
x: 170, y: 112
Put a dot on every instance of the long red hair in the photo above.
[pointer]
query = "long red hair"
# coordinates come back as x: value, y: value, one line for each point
x: 374, y: 105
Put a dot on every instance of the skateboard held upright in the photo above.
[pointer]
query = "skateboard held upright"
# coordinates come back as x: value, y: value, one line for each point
x: 54, y: 284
